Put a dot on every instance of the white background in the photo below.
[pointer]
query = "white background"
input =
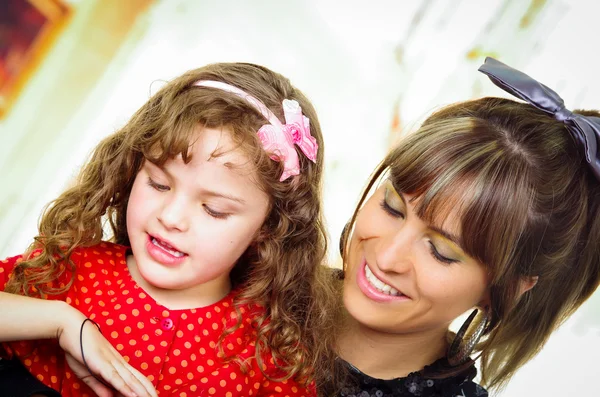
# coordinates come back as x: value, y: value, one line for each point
x: 360, y: 65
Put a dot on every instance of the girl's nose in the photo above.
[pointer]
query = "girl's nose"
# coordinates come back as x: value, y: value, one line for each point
x: 172, y: 215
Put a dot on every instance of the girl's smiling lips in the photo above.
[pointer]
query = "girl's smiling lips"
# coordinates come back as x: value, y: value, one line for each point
x: 164, y: 252
x: 165, y: 242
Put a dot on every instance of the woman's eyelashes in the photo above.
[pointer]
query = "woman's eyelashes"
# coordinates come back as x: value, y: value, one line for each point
x: 393, y: 211
x: 439, y: 257
x: 210, y: 211
x: 392, y: 208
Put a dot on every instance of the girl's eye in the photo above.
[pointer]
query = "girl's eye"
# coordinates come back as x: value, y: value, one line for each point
x: 157, y: 186
x: 391, y: 210
x: 215, y: 214
x: 439, y: 257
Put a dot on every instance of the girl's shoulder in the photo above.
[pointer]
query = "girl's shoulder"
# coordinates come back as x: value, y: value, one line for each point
x: 105, y: 255
x: 101, y: 251
x: 6, y: 267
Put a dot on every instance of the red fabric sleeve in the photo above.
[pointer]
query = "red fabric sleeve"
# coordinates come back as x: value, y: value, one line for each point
x: 6, y: 268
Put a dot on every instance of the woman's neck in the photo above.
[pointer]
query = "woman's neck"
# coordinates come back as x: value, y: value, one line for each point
x: 387, y: 356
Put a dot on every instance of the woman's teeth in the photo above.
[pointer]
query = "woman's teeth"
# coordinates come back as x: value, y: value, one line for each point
x: 166, y: 247
x: 380, y: 285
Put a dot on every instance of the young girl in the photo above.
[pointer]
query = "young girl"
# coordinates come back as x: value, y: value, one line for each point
x: 492, y: 204
x: 211, y: 283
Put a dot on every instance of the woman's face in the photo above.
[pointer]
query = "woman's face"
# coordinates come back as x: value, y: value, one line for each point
x: 404, y: 275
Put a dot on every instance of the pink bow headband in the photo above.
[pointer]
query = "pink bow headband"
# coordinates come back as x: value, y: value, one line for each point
x: 278, y: 139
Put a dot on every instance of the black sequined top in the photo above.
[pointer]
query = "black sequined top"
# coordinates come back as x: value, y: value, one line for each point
x: 359, y: 384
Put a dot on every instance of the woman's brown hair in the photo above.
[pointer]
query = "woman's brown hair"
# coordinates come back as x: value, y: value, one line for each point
x: 529, y: 205
x: 281, y: 271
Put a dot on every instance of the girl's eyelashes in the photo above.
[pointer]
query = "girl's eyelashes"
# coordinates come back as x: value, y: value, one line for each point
x: 207, y: 209
x: 158, y: 186
x: 215, y: 214
x: 439, y: 257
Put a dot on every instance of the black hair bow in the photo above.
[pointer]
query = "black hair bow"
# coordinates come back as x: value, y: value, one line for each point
x: 585, y: 129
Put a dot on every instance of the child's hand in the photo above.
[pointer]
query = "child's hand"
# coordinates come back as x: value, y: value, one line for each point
x: 116, y: 379
x: 102, y: 359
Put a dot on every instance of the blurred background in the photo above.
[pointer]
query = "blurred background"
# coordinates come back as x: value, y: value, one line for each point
x: 73, y: 71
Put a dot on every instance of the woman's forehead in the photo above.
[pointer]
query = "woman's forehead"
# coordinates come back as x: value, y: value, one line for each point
x: 439, y: 203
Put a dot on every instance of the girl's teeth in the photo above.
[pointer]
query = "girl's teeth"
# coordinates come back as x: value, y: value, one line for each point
x: 380, y: 285
x: 166, y: 247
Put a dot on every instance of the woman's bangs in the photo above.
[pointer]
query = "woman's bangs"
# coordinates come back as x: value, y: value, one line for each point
x: 464, y: 177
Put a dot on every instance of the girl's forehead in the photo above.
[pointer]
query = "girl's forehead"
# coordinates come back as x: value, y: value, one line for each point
x: 216, y: 145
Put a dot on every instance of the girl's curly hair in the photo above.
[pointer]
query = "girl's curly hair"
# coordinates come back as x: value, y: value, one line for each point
x: 281, y: 270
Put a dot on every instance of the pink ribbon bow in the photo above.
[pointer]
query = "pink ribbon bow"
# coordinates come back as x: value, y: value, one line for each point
x: 279, y: 139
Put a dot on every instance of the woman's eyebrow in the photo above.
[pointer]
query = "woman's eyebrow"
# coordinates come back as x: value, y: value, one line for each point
x: 447, y: 235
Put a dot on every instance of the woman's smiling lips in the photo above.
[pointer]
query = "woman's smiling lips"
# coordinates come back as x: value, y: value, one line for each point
x: 376, y: 289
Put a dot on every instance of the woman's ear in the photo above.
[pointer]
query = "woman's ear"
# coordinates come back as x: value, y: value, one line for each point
x: 527, y: 283
x: 343, y: 238
x: 486, y: 300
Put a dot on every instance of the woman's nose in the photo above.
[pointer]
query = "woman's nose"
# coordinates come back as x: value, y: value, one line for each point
x: 394, y: 253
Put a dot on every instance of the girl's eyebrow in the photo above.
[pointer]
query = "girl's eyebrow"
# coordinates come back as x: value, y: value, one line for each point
x: 226, y: 196
x: 206, y: 192
x: 160, y: 167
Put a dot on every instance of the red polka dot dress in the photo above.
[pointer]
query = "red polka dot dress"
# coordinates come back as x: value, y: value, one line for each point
x: 175, y: 349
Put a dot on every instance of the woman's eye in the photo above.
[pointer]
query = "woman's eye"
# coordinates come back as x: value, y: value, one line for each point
x: 158, y: 186
x: 439, y: 257
x: 391, y: 210
x: 215, y: 214
x: 390, y: 196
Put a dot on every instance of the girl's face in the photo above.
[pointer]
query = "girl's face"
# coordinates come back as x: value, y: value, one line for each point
x: 404, y: 275
x: 188, y: 224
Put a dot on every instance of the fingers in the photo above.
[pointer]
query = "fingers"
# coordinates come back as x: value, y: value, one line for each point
x: 82, y: 373
x: 97, y: 387
x: 148, y: 386
x: 112, y: 375
x: 144, y: 381
x: 100, y: 357
x: 123, y: 378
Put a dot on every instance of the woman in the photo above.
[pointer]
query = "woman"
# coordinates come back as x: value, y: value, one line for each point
x: 490, y: 207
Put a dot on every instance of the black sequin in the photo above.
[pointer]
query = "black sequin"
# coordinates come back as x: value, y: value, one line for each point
x: 359, y: 384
